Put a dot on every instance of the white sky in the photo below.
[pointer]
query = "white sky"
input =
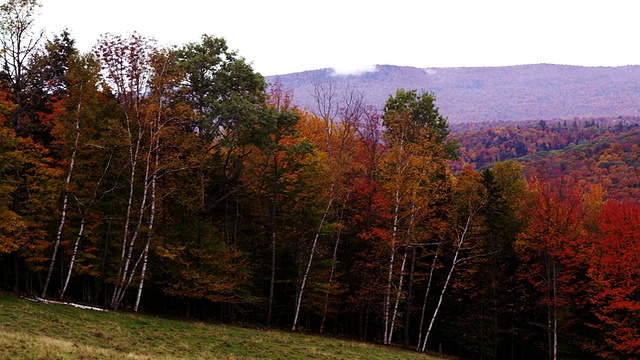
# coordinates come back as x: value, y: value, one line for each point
x: 285, y: 36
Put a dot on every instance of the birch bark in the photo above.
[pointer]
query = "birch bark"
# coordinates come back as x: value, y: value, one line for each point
x: 65, y: 200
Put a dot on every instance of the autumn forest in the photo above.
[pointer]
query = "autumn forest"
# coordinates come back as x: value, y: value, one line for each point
x: 176, y: 181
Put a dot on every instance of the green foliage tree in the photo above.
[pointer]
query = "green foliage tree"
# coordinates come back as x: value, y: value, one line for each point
x: 230, y: 127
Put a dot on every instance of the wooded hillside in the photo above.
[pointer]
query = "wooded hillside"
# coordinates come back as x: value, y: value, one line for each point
x: 524, y: 92
x: 600, y: 151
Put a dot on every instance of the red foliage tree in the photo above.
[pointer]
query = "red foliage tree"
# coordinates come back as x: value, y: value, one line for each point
x: 551, y: 249
x: 614, y: 270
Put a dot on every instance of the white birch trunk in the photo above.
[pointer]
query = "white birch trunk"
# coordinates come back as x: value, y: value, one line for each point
x: 65, y: 200
x: 127, y: 274
x: 73, y: 257
x: 83, y: 223
x: 387, y: 296
x: 398, y: 295
x: 308, y: 269
x: 426, y: 295
x: 444, y: 289
x: 145, y: 258
x: 331, y: 274
x: 133, y: 161
x: 152, y: 217
x: 460, y: 241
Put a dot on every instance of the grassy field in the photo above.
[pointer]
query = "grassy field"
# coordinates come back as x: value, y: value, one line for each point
x: 30, y: 330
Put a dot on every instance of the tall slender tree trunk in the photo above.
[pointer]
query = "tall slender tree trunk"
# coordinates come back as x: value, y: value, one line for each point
x: 407, y: 319
x: 143, y: 271
x: 426, y: 295
x: 83, y: 222
x: 133, y: 161
x: 462, y: 237
x: 444, y: 289
x: 65, y: 200
x: 334, y: 260
x: 387, y: 296
x: 127, y: 271
x: 398, y: 297
x: 308, y: 268
x: 152, y: 216
x: 72, y: 262
x: 274, y: 210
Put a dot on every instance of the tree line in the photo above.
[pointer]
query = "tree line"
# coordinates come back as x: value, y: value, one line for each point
x: 176, y: 181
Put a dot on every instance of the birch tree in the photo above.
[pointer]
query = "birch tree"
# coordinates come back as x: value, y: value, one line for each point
x: 53, y: 68
x: 280, y: 152
x: 339, y: 112
x: 128, y: 71
x: 413, y: 169
x: 469, y: 198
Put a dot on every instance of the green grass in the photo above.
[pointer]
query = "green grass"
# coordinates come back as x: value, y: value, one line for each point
x: 30, y: 330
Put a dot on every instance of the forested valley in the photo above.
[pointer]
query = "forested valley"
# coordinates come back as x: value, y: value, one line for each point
x: 176, y: 181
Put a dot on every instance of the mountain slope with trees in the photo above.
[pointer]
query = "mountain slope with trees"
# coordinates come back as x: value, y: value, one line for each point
x: 596, y: 151
x: 523, y: 92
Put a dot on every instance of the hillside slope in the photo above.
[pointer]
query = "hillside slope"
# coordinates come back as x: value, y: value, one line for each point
x: 524, y: 92
x: 30, y: 330
x: 604, y: 152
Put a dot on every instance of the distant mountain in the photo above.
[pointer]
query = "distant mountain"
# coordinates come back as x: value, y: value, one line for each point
x: 475, y: 94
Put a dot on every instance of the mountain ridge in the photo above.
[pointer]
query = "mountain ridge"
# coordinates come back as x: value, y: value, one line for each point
x: 501, y: 93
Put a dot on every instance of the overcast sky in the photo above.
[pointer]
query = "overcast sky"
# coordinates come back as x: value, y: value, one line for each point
x: 285, y: 36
